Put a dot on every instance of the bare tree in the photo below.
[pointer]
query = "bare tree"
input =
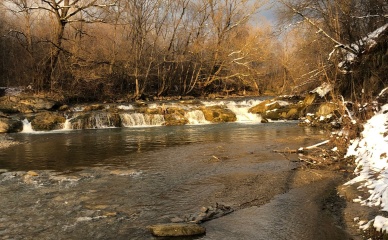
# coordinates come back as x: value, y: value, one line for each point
x: 345, y: 26
x: 62, y: 13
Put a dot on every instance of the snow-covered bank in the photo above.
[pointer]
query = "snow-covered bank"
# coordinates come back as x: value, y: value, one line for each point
x: 371, y: 156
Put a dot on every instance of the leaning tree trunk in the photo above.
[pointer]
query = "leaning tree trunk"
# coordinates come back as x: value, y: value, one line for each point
x: 52, y: 61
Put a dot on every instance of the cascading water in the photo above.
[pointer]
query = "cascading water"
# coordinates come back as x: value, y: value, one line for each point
x: 154, y: 115
x: 240, y: 108
x: 141, y: 120
x: 27, y: 128
x: 67, y: 124
x: 196, y: 117
x: 241, y: 111
x: 92, y: 120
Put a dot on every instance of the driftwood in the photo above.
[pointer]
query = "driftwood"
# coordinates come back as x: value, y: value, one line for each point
x: 301, y: 150
x: 289, y: 151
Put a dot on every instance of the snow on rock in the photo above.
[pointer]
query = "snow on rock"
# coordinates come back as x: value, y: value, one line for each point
x: 323, y: 89
x: 359, y: 46
x: 371, y: 152
x: 380, y: 223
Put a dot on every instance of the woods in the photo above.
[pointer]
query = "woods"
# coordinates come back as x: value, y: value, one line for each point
x: 98, y: 49
x: 342, y: 33
x: 135, y: 47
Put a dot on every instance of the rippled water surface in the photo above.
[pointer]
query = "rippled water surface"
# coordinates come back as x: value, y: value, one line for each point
x: 176, y: 170
x: 67, y: 150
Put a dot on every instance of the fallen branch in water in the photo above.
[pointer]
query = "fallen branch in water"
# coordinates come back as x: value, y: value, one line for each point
x: 317, y: 145
x: 288, y: 151
x: 301, y: 150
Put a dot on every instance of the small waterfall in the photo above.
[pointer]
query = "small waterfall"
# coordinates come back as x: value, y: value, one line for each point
x: 243, y: 116
x: 67, y: 125
x: 27, y: 128
x: 93, y: 120
x: 196, y: 117
x: 149, y: 115
x: 240, y: 108
x: 241, y: 111
x: 141, y: 120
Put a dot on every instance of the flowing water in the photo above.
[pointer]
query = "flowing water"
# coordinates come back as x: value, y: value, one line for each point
x: 111, y: 183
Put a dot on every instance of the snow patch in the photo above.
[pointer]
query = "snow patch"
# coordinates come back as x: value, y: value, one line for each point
x: 124, y: 107
x: 323, y: 89
x: 359, y: 46
x: 371, y: 152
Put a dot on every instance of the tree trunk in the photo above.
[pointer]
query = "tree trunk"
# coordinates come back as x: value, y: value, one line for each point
x: 53, y: 60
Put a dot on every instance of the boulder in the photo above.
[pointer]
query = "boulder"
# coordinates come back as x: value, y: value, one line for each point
x: 326, y: 109
x: 309, y: 99
x: 218, y: 114
x: 176, y: 229
x: 159, y: 110
x: 8, y: 125
x: 16, y: 104
x: 47, y: 121
x: 290, y: 98
x: 8, y: 107
x: 289, y: 112
x: 94, y: 107
x: 293, y: 114
x: 264, y: 106
x: 174, y: 116
x: 38, y: 103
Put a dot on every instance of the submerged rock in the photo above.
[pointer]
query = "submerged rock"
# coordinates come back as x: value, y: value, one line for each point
x: 205, y: 214
x: 176, y: 229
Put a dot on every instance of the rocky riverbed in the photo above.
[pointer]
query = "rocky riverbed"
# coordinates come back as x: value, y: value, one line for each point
x: 6, y: 141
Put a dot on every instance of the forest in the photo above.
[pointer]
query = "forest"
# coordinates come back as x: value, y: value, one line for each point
x: 93, y: 50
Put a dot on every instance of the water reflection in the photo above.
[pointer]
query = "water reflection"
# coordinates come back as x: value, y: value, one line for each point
x: 72, y: 149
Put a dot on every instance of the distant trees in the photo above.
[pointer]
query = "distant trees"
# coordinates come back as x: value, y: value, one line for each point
x: 158, y: 47
x: 113, y: 48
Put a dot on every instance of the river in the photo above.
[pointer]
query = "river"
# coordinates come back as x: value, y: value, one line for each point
x: 112, y: 183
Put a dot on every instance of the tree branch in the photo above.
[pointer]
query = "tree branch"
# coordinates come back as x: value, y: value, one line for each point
x: 320, y: 30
